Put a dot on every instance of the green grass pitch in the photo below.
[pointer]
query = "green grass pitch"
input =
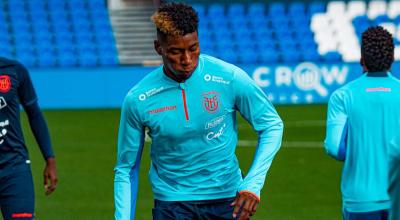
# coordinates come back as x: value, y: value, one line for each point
x: 303, y: 182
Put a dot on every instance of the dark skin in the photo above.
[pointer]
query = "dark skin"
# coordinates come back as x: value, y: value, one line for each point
x: 180, y: 55
x: 50, y: 176
x: 362, y: 63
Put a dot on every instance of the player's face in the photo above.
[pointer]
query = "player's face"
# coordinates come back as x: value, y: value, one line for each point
x: 180, y: 54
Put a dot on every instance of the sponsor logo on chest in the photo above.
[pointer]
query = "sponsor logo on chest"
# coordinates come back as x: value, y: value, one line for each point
x: 378, y: 89
x: 150, y: 93
x: 5, y: 83
x: 216, y: 134
x: 217, y: 79
x: 162, y: 109
x: 214, y: 122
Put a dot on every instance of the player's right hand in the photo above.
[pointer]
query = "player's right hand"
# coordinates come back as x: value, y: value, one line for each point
x: 247, y: 202
x: 50, y: 176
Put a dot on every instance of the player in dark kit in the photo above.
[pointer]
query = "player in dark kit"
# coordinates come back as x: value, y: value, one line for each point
x: 16, y: 184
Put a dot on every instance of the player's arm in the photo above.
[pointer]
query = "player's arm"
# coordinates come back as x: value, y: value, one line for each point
x: 28, y: 99
x: 254, y: 106
x: 336, y: 126
x: 130, y: 146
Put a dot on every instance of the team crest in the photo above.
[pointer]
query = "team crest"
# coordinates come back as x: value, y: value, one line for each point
x: 211, y: 102
x: 5, y: 83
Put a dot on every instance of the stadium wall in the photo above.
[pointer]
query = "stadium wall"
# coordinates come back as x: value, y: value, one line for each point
x: 106, y: 87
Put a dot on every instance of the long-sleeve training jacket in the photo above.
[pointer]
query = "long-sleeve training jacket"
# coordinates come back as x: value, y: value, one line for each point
x: 193, y: 127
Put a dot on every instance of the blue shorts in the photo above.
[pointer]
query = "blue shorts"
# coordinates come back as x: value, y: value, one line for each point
x: 375, y: 215
x: 17, y: 196
x: 220, y: 209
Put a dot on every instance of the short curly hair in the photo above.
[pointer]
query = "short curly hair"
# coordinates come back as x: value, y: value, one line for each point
x: 176, y: 19
x: 377, y: 49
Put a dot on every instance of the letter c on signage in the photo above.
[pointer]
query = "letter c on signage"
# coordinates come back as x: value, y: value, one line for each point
x: 257, y: 76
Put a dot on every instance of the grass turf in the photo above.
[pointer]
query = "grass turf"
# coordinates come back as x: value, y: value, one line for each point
x: 303, y: 182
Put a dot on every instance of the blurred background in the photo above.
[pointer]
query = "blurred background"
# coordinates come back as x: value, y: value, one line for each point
x: 84, y: 56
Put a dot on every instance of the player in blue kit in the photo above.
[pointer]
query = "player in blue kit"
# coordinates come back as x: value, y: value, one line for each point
x: 16, y: 185
x: 189, y: 106
x: 394, y: 175
x: 362, y: 119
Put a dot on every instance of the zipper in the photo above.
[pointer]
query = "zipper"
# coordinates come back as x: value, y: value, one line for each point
x: 184, y: 101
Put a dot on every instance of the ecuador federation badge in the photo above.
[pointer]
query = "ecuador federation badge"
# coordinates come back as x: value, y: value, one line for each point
x: 5, y: 83
x: 211, y: 102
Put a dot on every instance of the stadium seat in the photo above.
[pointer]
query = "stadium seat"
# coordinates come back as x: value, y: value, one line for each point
x: 256, y: 10
x: 268, y: 56
x: 266, y: 45
x: 336, y: 8
x: 376, y: 8
x: 236, y: 10
x: 258, y: 22
x: 242, y: 36
x: 320, y: 22
x: 310, y: 55
x: 239, y: 24
x: 25, y: 54
x: 391, y: 27
x: 108, y: 59
x: 76, y: 5
x: 66, y: 59
x: 356, y: 8
x: 290, y: 56
x: 46, y: 58
x: 316, y: 7
x: 200, y: 9
x: 93, y: 4
x: 393, y: 9
x: 381, y: 19
x: 87, y: 58
x: 216, y: 10
x: 276, y: 9
x: 247, y: 57
x: 296, y: 9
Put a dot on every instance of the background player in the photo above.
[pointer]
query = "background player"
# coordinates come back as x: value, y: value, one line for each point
x: 189, y: 105
x: 394, y: 175
x: 362, y: 119
x: 16, y: 185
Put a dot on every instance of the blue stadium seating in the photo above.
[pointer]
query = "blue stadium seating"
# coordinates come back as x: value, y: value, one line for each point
x: 79, y: 33
x: 48, y: 33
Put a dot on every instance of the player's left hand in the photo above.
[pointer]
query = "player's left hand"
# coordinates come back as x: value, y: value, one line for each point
x: 50, y: 176
x: 247, y: 202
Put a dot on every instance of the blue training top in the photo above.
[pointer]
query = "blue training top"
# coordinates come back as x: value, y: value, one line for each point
x: 193, y: 128
x: 394, y: 175
x: 16, y: 88
x: 362, y: 120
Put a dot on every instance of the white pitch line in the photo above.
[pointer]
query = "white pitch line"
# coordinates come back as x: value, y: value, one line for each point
x: 291, y: 124
x: 291, y: 144
x: 306, y: 123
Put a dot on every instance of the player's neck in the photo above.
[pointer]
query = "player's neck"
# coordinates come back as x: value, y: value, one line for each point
x: 177, y: 78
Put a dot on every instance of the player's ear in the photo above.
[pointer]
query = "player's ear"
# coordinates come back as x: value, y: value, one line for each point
x: 157, y: 47
x: 362, y: 63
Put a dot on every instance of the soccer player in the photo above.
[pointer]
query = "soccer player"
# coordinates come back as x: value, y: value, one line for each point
x: 189, y: 105
x: 394, y: 175
x: 362, y: 120
x: 16, y: 184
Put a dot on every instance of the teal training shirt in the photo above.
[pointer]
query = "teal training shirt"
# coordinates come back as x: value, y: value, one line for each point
x: 362, y: 120
x: 394, y: 176
x: 193, y: 128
